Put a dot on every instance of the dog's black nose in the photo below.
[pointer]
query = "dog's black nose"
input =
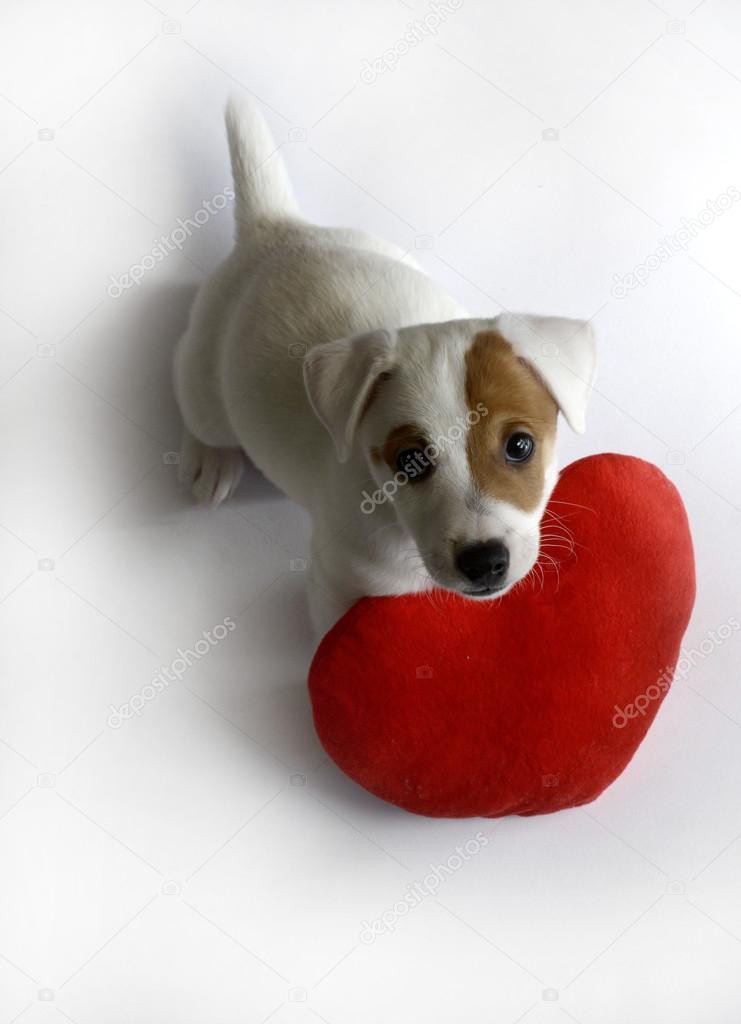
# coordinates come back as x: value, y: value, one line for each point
x: 484, y: 564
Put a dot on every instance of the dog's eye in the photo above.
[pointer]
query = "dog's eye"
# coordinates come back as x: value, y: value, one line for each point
x: 519, y: 447
x: 414, y: 464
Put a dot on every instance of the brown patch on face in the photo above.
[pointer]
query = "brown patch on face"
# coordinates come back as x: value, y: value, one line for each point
x: 408, y: 435
x: 516, y: 400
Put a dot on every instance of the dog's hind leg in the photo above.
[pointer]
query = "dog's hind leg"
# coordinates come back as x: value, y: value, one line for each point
x: 211, y: 459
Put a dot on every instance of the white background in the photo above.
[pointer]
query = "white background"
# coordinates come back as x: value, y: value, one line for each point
x: 205, y: 862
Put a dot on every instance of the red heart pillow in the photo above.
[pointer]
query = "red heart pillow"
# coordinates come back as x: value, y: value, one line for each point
x: 452, y: 708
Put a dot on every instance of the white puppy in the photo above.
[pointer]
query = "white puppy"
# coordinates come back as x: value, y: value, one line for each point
x: 421, y: 442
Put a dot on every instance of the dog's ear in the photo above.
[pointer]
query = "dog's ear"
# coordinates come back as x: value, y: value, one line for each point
x: 562, y: 353
x: 339, y: 378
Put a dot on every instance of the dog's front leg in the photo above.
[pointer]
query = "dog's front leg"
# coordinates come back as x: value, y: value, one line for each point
x: 328, y: 598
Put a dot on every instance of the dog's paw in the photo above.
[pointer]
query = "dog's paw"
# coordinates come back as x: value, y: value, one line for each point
x: 212, y: 474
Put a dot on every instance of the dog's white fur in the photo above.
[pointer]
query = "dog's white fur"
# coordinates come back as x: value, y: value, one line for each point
x: 339, y: 308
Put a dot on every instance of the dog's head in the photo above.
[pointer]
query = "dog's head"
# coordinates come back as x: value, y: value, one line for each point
x: 457, y: 423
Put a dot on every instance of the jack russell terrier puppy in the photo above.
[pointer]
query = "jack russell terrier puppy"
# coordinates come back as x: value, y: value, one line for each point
x: 421, y: 441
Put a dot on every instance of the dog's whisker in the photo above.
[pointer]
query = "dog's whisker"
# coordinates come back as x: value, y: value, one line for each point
x: 535, y: 575
x: 567, y: 542
x: 551, y: 562
x: 556, y: 535
x: 573, y: 504
x: 557, y: 546
x: 557, y: 523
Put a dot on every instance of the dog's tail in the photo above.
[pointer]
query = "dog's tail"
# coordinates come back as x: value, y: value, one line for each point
x: 262, y: 189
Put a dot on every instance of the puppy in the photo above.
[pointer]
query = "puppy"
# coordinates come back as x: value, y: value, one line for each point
x: 421, y: 441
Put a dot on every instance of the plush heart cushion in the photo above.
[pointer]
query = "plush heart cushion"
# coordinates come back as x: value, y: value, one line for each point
x: 530, y: 704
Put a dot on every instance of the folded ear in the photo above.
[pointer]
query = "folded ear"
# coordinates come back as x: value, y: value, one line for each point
x: 339, y: 378
x: 562, y: 353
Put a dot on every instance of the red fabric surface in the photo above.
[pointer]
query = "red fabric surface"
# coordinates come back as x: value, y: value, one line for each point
x: 451, y: 708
